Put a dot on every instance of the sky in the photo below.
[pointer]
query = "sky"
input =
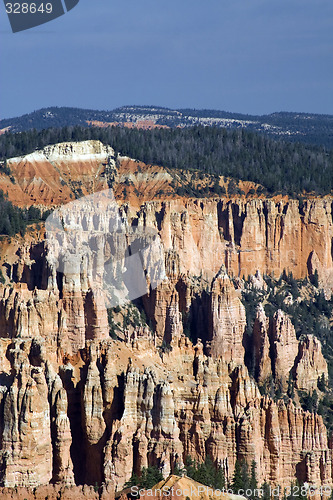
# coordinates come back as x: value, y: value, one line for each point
x: 246, y: 56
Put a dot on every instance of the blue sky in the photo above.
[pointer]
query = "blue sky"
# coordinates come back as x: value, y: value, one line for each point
x: 248, y: 56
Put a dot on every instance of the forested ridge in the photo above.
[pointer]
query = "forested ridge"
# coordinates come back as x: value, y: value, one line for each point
x: 281, y: 167
x: 307, y: 128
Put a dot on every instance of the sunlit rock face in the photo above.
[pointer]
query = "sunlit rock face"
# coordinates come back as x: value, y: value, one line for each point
x: 77, y: 407
x: 124, y: 408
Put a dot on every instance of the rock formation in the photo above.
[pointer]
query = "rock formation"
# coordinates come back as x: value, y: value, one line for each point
x: 132, y: 417
x: 261, y: 346
x: 26, y: 454
x: 310, y: 364
x: 245, y: 235
x: 228, y: 320
x: 284, y: 345
x: 279, y: 355
x: 78, y: 408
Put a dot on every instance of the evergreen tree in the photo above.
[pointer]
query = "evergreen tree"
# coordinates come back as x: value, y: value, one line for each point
x: 219, y: 481
x: 322, y: 383
x: 245, y: 475
x: 238, y: 154
x: 133, y: 481
x: 237, y: 480
x: 266, y: 491
x: 205, y: 473
x: 149, y: 477
x: 253, y: 480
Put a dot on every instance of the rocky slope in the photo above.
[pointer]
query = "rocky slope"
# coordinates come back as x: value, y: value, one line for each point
x: 77, y: 407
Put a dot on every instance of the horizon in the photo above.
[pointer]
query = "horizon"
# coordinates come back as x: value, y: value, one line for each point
x: 250, y: 57
x: 166, y: 108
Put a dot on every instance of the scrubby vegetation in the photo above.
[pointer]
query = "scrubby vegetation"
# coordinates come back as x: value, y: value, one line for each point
x: 128, y: 316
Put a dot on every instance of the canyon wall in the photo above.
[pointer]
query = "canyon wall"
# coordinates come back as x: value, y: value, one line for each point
x: 246, y: 235
x: 124, y: 408
x: 77, y: 407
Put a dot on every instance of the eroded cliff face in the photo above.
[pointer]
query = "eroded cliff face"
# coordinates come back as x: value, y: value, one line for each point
x: 35, y: 430
x: 44, y: 177
x: 78, y: 407
x: 280, y: 356
x: 134, y: 408
x: 244, y: 234
x: 310, y: 364
x: 228, y: 320
x: 107, y: 408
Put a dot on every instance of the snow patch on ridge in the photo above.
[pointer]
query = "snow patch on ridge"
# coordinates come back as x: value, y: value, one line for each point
x: 69, y: 151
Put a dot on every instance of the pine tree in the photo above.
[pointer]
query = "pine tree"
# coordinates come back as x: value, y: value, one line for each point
x: 219, y: 482
x: 150, y: 476
x: 253, y: 480
x: 322, y: 383
x: 205, y: 473
x: 266, y: 491
x: 237, y: 481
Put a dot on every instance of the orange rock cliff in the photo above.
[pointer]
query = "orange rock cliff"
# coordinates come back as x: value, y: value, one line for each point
x: 79, y: 408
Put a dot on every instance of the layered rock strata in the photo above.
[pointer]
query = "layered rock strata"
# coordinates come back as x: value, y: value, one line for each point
x: 228, y: 320
x: 135, y: 409
x: 104, y: 417
x: 78, y: 407
x: 246, y: 236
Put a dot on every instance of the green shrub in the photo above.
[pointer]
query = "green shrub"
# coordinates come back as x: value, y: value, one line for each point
x: 205, y: 472
x: 149, y: 476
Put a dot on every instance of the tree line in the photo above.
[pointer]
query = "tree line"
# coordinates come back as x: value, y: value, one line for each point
x: 244, y: 480
x: 281, y: 167
x: 291, y: 127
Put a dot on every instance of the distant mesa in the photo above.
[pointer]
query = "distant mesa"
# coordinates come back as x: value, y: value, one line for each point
x: 301, y: 127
